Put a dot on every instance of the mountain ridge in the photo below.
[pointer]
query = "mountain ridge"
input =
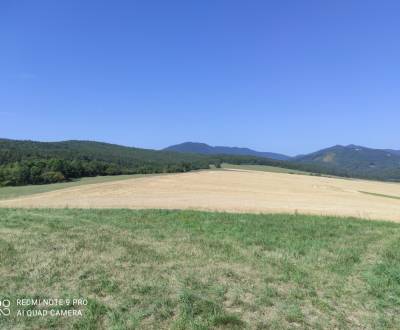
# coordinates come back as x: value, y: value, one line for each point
x: 344, y: 160
x: 354, y: 158
x: 203, y: 148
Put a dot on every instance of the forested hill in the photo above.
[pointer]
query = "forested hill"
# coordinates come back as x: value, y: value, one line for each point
x: 357, y: 161
x: 16, y: 150
x: 30, y: 162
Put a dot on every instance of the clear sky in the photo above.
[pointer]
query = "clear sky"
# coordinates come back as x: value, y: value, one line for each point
x: 288, y: 76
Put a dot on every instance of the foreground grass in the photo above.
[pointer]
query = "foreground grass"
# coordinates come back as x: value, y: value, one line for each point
x: 197, y: 270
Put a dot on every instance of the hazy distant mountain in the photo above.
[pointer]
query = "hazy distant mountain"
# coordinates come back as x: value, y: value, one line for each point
x: 354, y: 158
x: 396, y: 152
x: 202, y: 148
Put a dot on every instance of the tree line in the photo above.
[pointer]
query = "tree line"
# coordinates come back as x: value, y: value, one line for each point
x: 58, y: 170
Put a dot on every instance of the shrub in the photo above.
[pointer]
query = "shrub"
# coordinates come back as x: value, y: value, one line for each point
x: 52, y: 177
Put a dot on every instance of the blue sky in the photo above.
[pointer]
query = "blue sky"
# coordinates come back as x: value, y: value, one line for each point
x: 276, y: 75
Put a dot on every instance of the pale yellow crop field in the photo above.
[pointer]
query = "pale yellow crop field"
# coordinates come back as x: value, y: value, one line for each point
x: 233, y: 191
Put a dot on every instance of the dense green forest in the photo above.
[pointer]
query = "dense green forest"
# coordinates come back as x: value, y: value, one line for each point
x: 57, y: 170
x: 29, y: 162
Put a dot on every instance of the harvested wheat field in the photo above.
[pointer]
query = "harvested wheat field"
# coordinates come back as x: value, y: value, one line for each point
x: 231, y: 190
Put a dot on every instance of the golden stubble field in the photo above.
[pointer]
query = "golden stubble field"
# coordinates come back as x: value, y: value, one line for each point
x: 230, y: 190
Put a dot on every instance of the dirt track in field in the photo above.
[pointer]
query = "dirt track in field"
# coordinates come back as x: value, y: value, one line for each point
x: 235, y: 191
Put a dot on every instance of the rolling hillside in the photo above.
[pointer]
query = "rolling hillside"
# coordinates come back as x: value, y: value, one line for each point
x: 202, y: 148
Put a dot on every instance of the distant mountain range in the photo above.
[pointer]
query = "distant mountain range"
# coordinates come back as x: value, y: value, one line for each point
x: 205, y: 149
x: 351, y: 160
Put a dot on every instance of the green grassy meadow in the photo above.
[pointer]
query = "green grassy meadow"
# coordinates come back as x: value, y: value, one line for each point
x: 264, y: 168
x: 197, y: 270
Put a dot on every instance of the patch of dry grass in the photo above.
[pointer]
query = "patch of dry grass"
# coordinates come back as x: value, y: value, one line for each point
x: 18, y: 191
x: 233, y: 191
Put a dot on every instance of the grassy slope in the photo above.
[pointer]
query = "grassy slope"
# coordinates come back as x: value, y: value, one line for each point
x: 13, y: 192
x: 197, y: 270
x: 264, y: 168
